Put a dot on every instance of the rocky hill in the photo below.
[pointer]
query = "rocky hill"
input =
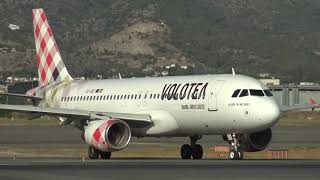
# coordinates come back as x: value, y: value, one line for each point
x: 141, y: 37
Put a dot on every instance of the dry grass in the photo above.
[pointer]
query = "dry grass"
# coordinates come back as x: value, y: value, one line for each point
x: 299, y: 118
x: 20, y: 121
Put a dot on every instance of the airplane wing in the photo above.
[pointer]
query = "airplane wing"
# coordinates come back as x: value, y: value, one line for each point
x: 133, y: 120
x: 21, y: 95
x: 311, y: 105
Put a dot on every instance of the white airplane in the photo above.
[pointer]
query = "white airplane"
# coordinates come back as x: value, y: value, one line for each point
x: 109, y: 112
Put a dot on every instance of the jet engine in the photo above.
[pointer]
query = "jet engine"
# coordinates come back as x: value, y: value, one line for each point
x: 108, y: 135
x: 257, y: 141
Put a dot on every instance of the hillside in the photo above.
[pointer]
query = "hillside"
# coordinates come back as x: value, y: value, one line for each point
x: 143, y: 36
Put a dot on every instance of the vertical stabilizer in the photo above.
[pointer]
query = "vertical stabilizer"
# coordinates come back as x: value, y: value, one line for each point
x: 51, y: 68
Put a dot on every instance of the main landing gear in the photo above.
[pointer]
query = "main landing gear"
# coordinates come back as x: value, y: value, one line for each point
x: 235, y: 153
x: 94, y: 153
x: 193, y: 150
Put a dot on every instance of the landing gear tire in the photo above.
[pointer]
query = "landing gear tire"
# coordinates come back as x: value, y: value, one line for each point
x: 186, y: 151
x: 197, y: 151
x: 240, y: 154
x: 105, y: 155
x: 93, y: 153
x: 234, y: 155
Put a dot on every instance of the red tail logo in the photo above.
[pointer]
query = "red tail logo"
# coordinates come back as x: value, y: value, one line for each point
x: 49, y: 62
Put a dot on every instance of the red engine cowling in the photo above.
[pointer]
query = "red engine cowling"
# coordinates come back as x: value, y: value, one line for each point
x: 257, y: 141
x: 108, y: 135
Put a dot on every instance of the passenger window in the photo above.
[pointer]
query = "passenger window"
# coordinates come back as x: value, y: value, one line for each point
x: 121, y: 97
x: 244, y: 92
x: 267, y: 92
x: 139, y: 96
x: 110, y: 97
x: 158, y: 96
x: 256, y: 92
x: 135, y: 97
x: 125, y: 96
x: 104, y: 97
x: 235, y: 93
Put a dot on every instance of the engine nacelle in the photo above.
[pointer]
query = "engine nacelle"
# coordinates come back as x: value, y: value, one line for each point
x: 257, y: 141
x: 108, y: 135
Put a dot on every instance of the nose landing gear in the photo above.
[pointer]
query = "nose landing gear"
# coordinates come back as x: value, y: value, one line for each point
x: 235, y: 153
x: 193, y: 150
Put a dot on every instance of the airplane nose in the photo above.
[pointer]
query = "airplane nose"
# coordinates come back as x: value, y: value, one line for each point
x: 271, y: 113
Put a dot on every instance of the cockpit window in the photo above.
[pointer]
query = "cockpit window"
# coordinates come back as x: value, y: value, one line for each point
x: 256, y: 92
x: 235, y: 93
x: 267, y: 92
x: 244, y: 92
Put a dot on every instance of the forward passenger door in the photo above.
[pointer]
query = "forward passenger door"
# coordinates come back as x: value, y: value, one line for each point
x: 214, y: 90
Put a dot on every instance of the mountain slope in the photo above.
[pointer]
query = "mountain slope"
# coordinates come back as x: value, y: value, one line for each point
x: 210, y: 36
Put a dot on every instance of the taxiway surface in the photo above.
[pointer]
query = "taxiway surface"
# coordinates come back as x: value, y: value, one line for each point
x: 68, y: 136
x: 157, y: 169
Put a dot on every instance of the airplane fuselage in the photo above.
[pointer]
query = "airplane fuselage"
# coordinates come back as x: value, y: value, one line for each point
x: 178, y: 105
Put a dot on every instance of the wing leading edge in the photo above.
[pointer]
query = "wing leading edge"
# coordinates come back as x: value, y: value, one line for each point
x: 76, y: 115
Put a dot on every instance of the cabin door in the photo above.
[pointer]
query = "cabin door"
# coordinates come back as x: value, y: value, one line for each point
x: 213, y: 96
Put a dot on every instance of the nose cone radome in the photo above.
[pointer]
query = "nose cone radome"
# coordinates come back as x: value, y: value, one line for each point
x: 270, y: 113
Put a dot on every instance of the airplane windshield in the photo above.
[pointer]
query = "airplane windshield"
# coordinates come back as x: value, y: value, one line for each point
x: 244, y: 92
x: 256, y: 92
x: 235, y: 93
x: 267, y: 92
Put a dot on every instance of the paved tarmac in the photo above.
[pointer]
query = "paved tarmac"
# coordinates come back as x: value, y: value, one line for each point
x: 68, y: 136
x: 66, y: 168
x: 154, y: 169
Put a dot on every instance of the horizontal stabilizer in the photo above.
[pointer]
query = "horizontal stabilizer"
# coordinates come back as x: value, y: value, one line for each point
x: 21, y: 95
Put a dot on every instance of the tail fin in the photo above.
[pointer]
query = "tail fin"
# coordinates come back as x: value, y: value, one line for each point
x: 312, y: 101
x: 51, y: 68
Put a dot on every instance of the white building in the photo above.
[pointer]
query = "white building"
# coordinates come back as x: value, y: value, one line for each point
x: 164, y: 73
x: 184, y: 67
x: 13, y: 27
x: 307, y: 84
x: 268, y: 82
